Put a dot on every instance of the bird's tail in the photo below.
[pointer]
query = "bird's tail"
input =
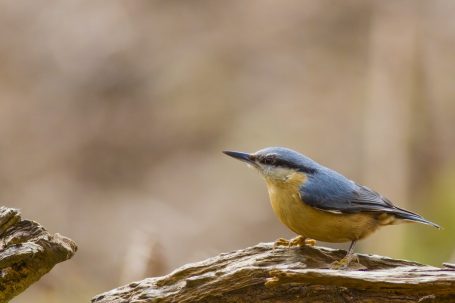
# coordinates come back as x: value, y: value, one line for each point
x: 410, y: 216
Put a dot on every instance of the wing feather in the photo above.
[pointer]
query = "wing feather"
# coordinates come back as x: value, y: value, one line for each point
x: 332, y: 192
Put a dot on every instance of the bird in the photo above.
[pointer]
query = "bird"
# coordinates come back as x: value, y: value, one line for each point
x: 318, y: 203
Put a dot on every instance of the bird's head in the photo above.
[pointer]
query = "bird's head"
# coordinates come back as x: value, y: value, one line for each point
x: 277, y: 163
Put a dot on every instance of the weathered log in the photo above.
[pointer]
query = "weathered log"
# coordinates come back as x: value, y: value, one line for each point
x: 27, y: 252
x: 297, y: 274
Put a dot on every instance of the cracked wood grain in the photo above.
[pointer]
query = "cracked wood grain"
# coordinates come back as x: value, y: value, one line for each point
x: 27, y: 252
x: 298, y: 274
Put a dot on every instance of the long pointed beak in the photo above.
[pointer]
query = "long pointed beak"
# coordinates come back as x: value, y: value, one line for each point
x: 245, y: 157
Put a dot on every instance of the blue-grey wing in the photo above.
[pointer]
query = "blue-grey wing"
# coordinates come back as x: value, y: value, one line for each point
x: 329, y: 191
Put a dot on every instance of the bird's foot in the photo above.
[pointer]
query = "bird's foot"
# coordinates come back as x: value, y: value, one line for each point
x: 280, y: 242
x: 301, y: 241
x: 295, y: 242
x: 343, y: 263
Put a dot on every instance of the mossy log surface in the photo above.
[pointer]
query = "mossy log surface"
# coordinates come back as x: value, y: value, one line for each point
x: 27, y: 252
x: 297, y: 274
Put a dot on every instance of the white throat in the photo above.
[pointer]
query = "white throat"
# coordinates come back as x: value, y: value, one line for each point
x: 276, y: 173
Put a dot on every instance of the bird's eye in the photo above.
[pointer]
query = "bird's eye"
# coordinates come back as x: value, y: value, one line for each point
x: 269, y: 159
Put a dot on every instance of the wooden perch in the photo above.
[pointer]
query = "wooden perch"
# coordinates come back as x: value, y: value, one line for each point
x: 298, y: 274
x: 27, y: 252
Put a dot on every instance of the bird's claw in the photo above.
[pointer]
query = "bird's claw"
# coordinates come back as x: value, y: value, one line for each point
x: 339, y: 264
x: 280, y: 242
x: 301, y: 241
x: 343, y: 263
x: 298, y: 241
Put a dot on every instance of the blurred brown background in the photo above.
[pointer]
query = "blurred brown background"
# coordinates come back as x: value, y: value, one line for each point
x: 113, y: 115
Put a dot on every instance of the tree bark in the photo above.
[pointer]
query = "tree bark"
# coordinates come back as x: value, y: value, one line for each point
x: 297, y: 274
x: 27, y: 252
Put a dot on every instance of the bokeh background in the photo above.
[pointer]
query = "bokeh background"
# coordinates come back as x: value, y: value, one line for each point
x: 113, y: 115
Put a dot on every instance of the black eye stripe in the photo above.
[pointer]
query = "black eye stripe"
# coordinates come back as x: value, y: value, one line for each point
x: 268, y: 159
x: 272, y: 159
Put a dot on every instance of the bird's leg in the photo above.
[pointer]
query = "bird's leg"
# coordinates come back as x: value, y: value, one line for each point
x: 344, y: 263
x: 297, y: 241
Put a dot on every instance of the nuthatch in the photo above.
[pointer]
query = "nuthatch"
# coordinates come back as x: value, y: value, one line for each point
x: 318, y: 203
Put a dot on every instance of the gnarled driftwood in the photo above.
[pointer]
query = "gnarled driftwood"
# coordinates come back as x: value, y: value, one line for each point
x: 27, y: 252
x: 298, y: 274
